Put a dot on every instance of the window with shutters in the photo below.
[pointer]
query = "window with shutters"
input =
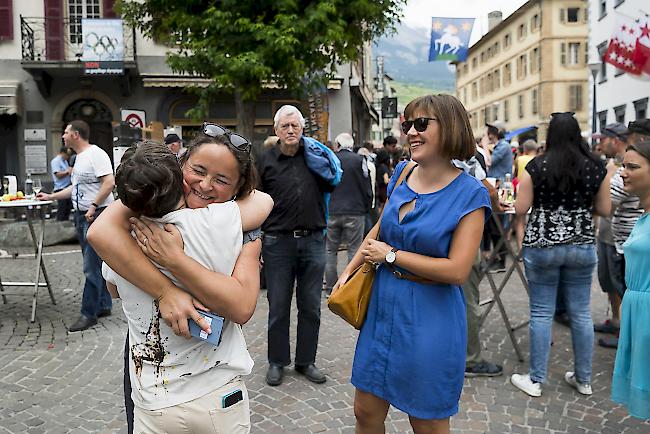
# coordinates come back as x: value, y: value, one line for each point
x: 534, y: 60
x: 641, y: 108
x: 497, y: 78
x: 521, y: 31
x: 573, y: 15
x: 507, y: 40
x: 474, y: 63
x: 474, y: 91
x: 563, y: 53
x: 533, y: 101
x: 507, y: 74
x: 506, y: 110
x: 602, y: 8
x: 602, y: 120
x: 78, y: 9
x: 535, y: 23
x: 520, y: 100
x: 522, y: 65
x: 6, y: 20
x: 574, y: 53
x: 575, y: 97
x: 619, y: 113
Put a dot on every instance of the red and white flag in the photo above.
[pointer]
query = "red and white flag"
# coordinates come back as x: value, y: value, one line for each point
x: 622, y: 45
x: 641, y: 57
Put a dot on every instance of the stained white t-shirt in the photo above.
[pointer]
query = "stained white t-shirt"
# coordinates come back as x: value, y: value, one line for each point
x: 89, y: 166
x: 166, y: 369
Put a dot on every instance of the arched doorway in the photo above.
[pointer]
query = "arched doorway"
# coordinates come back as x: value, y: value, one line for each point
x: 99, y: 118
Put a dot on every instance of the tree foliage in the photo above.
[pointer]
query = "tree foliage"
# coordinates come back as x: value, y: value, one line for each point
x: 242, y: 44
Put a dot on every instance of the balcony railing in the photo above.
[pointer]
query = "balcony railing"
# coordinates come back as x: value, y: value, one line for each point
x: 47, y: 39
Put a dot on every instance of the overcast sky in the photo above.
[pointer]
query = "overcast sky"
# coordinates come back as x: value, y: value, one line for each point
x: 418, y: 13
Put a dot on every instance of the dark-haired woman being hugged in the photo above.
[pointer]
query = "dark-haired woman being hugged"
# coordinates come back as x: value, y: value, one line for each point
x: 631, y: 382
x: 564, y: 186
x: 411, y: 349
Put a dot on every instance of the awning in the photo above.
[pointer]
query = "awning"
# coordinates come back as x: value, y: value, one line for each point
x: 515, y: 133
x: 10, y: 98
x: 151, y: 80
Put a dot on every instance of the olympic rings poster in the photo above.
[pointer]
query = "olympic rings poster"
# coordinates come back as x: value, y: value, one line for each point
x: 103, y: 46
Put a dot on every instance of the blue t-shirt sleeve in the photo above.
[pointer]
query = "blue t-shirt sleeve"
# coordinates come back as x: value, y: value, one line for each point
x: 58, y: 166
x: 393, y: 179
x: 477, y: 198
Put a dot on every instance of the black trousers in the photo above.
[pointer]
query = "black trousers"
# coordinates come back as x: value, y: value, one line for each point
x: 288, y: 260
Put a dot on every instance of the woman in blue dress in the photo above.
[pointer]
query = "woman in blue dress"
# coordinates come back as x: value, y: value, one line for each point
x: 631, y: 380
x: 411, y: 349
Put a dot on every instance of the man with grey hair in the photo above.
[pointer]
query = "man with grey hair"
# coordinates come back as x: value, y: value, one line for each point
x: 293, y: 247
x: 349, y: 205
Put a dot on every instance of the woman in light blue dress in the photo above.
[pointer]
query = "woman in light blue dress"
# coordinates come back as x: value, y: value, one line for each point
x: 631, y: 380
x: 411, y: 349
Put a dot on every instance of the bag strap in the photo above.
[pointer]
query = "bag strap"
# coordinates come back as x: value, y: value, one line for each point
x: 405, y: 171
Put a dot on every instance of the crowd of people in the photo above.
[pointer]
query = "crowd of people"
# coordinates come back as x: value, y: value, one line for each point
x: 187, y: 230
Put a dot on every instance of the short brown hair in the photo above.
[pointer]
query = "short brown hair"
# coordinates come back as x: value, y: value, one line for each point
x: 456, y: 137
x: 82, y: 128
x: 247, y: 171
x: 643, y: 148
x: 149, y: 179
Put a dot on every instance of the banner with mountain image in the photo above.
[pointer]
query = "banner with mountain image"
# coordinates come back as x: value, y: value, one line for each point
x: 450, y: 38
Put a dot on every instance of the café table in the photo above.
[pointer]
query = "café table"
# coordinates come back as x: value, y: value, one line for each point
x: 515, y: 266
x: 34, y: 212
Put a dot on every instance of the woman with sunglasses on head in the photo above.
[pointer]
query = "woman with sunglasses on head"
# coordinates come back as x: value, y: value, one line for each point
x: 411, y: 349
x: 631, y: 380
x: 217, y: 167
x: 564, y: 186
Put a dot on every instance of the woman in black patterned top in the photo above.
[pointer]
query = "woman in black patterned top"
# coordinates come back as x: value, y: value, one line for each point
x: 564, y: 186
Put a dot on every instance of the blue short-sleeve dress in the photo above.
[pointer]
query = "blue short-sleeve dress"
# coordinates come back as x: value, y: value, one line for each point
x: 631, y: 380
x: 411, y: 348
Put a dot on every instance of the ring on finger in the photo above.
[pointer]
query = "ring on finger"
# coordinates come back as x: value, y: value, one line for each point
x: 145, y: 240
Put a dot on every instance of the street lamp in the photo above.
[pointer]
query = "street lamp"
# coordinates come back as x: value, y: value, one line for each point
x: 594, y: 67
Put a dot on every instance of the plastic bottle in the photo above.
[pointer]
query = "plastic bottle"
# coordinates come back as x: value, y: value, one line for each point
x: 507, y: 191
x: 29, y: 187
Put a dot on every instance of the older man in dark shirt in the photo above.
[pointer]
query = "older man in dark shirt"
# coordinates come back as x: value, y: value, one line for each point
x: 293, y: 247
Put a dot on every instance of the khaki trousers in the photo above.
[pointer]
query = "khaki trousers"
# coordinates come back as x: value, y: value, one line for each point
x: 202, y: 415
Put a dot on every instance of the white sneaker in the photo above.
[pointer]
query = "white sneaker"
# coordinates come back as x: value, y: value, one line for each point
x: 525, y: 384
x: 570, y: 378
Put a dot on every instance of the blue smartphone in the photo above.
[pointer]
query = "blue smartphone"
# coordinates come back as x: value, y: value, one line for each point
x: 232, y: 398
x: 216, y: 324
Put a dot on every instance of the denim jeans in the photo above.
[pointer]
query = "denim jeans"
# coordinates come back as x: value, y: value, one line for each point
x: 342, y: 228
x: 95, y: 296
x: 568, y: 268
x: 288, y: 260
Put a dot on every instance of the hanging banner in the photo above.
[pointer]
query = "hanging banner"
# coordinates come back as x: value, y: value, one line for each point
x: 103, y: 46
x: 450, y: 38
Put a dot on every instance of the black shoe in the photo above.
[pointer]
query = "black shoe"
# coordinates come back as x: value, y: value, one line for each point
x: 606, y: 327
x: 104, y: 313
x: 483, y: 369
x: 497, y: 267
x: 608, y: 342
x: 312, y: 373
x: 274, y: 375
x: 82, y: 323
x: 563, y: 319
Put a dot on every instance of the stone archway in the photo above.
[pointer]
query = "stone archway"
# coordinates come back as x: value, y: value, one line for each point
x: 99, y: 119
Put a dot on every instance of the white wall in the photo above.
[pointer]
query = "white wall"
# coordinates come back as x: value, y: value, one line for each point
x: 616, y: 90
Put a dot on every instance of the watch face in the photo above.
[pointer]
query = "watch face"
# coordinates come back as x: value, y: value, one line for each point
x: 390, y: 257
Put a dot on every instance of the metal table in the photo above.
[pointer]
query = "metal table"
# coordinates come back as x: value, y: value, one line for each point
x: 33, y: 210
x: 497, y: 290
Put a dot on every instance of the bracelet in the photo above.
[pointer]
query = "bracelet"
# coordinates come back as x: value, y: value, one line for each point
x: 94, y: 204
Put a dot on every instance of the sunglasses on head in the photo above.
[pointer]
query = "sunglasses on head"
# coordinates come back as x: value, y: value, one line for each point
x: 420, y: 124
x: 237, y: 141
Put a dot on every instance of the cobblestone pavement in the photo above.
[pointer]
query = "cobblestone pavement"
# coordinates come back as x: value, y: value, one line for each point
x: 55, y: 382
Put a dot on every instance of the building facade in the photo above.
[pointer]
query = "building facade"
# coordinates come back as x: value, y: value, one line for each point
x: 620, y: 97
x: 43, y: 85
x: 527, y: 66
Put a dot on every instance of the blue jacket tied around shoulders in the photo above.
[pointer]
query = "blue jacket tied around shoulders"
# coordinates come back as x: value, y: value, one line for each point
x: 323, y: 162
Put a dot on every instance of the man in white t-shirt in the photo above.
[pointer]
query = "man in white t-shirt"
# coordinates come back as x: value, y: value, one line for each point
x: 91, y: 192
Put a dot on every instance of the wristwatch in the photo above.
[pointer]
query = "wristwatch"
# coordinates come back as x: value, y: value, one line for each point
x: 391, y: 256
